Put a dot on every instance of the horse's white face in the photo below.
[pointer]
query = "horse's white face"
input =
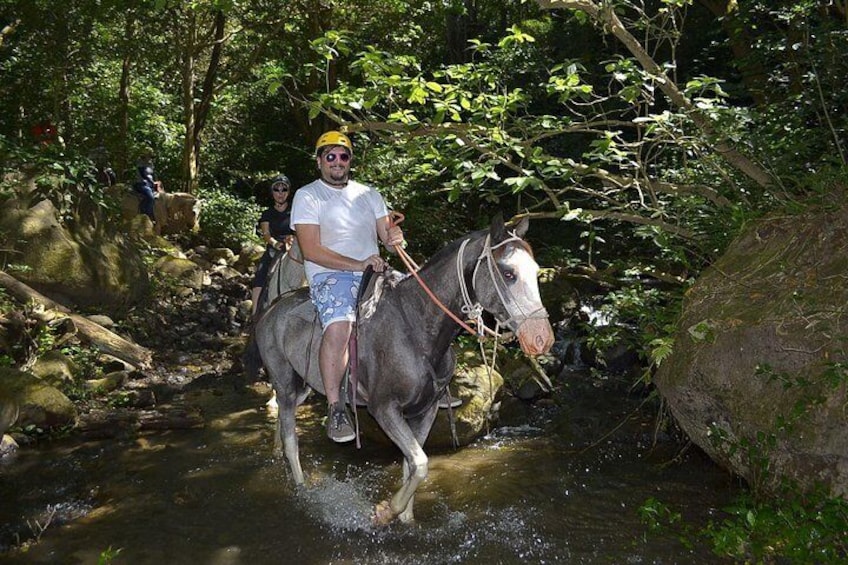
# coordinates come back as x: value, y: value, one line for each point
x: 520, y: 293
x: 519, y: 273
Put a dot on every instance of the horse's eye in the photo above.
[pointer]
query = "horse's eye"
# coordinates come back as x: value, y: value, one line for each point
x: 509, y: 275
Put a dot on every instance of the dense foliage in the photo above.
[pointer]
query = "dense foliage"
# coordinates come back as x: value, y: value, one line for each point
x: 228, y: 221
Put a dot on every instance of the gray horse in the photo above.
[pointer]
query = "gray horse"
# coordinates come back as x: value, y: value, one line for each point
x: 404, y: 341
x: 285, y: 274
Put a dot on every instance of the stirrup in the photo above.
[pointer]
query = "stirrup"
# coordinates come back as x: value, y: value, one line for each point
x: 447, y: 401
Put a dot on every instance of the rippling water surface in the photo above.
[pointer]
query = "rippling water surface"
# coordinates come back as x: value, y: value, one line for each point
x: 564, y: 488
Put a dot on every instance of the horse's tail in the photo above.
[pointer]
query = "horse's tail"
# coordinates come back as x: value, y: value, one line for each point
x: 251, y: 360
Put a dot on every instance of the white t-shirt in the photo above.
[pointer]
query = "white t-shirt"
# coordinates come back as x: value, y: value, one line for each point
x: 347, y: 218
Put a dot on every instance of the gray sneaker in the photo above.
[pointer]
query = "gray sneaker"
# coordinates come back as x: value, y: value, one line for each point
x: 338, y: 424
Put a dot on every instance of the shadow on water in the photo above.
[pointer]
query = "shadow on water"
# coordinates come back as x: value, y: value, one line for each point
x: 529, y: 493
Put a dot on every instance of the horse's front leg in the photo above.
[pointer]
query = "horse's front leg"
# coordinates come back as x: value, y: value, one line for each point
x: 407, y: 516
x: 415, y: 471
x: 409, y: 437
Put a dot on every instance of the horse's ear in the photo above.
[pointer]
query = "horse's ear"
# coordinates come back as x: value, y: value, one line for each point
x: 497, y: 230
x: 521, y: 227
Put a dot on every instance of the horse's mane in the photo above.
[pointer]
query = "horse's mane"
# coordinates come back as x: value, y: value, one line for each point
x: 451, y: 249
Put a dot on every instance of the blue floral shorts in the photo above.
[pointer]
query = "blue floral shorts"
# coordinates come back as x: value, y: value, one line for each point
x: 334, y: 295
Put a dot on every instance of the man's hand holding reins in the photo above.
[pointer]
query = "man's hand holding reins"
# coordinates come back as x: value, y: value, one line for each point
x: 375, y: 262
x: 394, y: 237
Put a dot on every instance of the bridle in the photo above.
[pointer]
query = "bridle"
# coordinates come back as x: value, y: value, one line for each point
x: 474, y: 310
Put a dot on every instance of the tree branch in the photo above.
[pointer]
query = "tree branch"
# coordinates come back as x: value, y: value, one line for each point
x: 612, y: 24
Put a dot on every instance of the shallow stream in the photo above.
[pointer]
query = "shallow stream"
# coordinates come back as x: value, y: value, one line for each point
x: 564, y: 488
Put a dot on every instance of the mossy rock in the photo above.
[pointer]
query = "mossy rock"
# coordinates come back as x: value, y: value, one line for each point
x: 39, y: 404
x: 82, y: 265
x: 757, y: 376
x: 183, y: 272
x: 55, y: 368
x: 107, y: 383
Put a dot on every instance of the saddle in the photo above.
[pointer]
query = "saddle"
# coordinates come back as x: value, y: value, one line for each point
x: 370, y: 292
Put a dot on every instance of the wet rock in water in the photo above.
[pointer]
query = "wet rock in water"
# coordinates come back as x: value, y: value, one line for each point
x: 8, y: 445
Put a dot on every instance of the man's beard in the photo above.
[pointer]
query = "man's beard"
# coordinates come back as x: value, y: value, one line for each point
x: 336, y: 178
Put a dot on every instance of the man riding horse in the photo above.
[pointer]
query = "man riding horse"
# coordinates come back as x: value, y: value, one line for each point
x: 338, y: 222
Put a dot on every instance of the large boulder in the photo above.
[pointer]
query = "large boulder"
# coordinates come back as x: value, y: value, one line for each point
x: 175, y: 212
x: 478, y: 388
x: 758, y: 377
x: 85, y: 266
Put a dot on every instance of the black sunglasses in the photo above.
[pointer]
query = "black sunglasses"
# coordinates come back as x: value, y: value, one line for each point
x: 281, y: 189
x: 343, y: 157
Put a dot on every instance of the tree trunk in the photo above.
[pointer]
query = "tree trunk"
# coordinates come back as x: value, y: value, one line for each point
x: 208, y: 92
x: 97, y: 335
x: 189, y: 158
x: 123, y: 157
x: 753, y: 75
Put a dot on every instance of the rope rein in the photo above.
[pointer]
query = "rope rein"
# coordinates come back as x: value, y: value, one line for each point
x: 407, y: 260
x: 396, y: 218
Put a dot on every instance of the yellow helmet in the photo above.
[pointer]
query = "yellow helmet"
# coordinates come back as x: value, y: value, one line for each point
x: 333, y: 138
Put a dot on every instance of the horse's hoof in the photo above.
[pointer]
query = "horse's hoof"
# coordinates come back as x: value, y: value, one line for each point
x: 383, y: 514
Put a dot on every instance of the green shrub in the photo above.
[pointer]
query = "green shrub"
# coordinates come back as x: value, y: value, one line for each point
x: 228, y: 221
x: 791, y: 527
